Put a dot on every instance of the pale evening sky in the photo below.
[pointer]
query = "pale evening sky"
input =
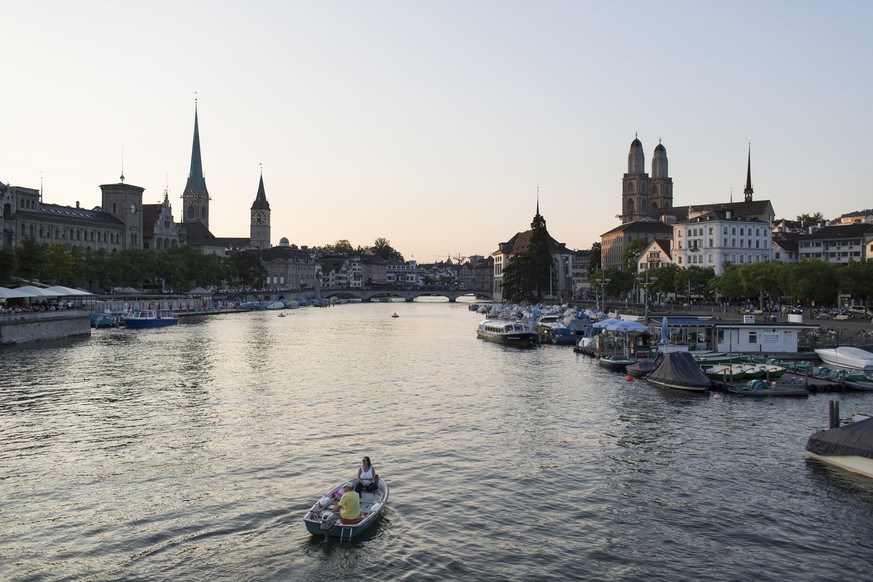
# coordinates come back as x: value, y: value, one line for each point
x: 433, y: 123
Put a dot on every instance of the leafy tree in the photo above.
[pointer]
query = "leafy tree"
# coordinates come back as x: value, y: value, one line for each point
x: 60, y: 265
x: 857, y: 279
x: 30, y: 257
x: 811, y: 218
x: 247, y: 270
x: 8, y: 265
x: 634, y: 249
x: 813, y: 280
x: 595, y: 259
x: 528, y: 275
x: 728, y: 284
x: 382, y: 248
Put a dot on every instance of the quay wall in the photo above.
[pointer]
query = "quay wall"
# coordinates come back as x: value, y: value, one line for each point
x: 17, y: 328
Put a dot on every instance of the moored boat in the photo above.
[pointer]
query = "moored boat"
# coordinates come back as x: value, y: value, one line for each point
x: 507, y: 332
x: 320, y: 520
x: 615, y: 362
x: 679, y: 371
x: 849, y: 446
x: 642, y: 368
x: 141, y: 318
x: 761, y: 388
x: 724, y: 372
x: 852, y: 357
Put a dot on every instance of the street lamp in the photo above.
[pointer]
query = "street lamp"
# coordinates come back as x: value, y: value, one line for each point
x: 602, y: 297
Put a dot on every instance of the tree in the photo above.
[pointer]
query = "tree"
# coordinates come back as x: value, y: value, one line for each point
x: 811, y: 218
x: 632, y: 253
x: 528, y: 275
x: 8, y: 267
x: 247, y: 270
x: 30, y: 257
x: 813, y: 280
x: 595, y: 259
x: 382, y: 248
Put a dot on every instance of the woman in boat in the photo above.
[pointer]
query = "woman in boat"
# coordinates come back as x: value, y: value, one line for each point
x: 367, y: 478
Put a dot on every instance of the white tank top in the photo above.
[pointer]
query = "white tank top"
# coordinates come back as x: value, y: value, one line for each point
x: 367, y: 475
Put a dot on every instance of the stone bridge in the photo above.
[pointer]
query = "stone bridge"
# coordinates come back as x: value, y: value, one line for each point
x: 375, y: 294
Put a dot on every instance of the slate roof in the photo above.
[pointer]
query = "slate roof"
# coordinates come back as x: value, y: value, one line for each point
x: 56, y: 210
x: 197, y: 235
x: 521, y: 242
x: 150, y: 215
x: 845, y: 231
x: 642, y: 227
x: 745, y: 209
x: 260, y: 202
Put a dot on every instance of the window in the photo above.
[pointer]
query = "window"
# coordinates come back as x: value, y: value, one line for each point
x: 753, y: 337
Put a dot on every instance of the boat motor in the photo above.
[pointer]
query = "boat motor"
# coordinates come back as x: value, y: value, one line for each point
x: 328, y: 520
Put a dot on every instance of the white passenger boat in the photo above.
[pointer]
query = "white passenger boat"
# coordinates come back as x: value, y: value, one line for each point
x: 854, y: 358
x: 507, y: 332
x: 320, y: 520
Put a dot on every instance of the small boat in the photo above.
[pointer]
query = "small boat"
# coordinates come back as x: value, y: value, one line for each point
x: 322, y: 521
x: 140, y: 318
x: 725, y: 372
x: 855, y: 358
x: 616, y: 362
x: 762, y: 388
x: 507, y: 332
x: 104, y: 320
x: 849, y: 446
x: 281, y: 315
x: 395, y: 314
x: 679, y: 371
x: 720, y: 358
x: 642, y: 368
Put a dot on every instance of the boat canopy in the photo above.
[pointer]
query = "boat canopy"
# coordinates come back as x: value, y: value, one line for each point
x: 851, y: 439
x: 679, y: 369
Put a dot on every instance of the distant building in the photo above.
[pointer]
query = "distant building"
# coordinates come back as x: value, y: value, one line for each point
x: 838, y: 245
x: 159, y: 230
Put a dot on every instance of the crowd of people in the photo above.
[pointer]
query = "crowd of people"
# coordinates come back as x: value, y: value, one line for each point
x: 23, y: 307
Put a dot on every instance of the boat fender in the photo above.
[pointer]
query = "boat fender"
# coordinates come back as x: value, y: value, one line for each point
x: 375, y: 508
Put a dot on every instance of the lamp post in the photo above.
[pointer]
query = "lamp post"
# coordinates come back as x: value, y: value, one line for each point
x: 602, y: 296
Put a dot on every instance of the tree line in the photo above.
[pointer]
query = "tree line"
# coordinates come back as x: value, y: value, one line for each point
x: 176, y: 270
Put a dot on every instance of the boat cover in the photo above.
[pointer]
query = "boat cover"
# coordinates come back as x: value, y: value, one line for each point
x: 679, y: 369
x: 851, y: 439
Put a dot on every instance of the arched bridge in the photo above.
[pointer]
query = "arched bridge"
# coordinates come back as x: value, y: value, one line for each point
x: 371, y: 294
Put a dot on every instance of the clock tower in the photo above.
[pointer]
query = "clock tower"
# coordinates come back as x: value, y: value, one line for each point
x: 260, y: 228
x: 195, y: 196
x: 124, y: 202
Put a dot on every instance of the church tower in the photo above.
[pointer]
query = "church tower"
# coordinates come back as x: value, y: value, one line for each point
x: 748, y: 191
x: 195, y: 196
x: 260, y: 229
x: 635, y: 185
x: 661, y: 183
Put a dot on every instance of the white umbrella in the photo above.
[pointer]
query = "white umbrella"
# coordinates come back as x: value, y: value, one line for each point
x: 605, y: 323
x: 627, y: 326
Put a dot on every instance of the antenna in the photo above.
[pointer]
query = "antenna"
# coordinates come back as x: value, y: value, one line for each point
x: 40, y: 185
x: 122, y: 164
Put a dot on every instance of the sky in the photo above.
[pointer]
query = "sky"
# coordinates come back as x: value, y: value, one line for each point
x: 436, y: 124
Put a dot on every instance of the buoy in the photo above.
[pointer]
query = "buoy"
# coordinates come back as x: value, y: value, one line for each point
x: 629, y: 378
x: 716, y: 396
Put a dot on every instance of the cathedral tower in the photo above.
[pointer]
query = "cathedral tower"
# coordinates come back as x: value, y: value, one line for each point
x: 661, y: 183
x: 635, y: 185
x: 748, y: 191
x: 195, y: 196
x: 260, y: 229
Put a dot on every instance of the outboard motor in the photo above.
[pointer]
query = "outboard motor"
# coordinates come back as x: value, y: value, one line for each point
x: 328, y: 520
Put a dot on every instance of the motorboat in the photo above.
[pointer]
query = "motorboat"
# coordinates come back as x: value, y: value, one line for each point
x: 852, y: 357
x: 642, y: 368
x: 321, y: 520
x: 679, y: 371
x: 615, y: 362
x: 507, y: 332
x: 849, y: 446
x: 141, y: 318
x: 761, y: 388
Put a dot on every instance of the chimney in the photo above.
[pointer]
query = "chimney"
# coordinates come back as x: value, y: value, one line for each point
x: 77, y: 203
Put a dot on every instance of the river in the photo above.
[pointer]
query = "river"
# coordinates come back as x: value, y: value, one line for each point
x: 193, y: 452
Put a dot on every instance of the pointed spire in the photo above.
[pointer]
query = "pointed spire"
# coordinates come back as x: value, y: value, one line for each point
x: 748, y: 191
x: 260, y: 202
x: 538, y: 201
x: 195, y: 196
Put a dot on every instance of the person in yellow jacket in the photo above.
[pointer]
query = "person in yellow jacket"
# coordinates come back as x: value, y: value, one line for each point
x: 349, y: 504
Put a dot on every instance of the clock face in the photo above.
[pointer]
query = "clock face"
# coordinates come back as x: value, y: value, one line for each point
x: 133, y: 208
